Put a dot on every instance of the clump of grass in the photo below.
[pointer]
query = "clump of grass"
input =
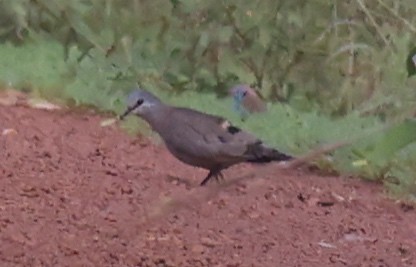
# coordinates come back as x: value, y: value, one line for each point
x: 37, y: 67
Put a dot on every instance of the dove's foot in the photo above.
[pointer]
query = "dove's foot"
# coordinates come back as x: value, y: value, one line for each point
x: 216, y: 174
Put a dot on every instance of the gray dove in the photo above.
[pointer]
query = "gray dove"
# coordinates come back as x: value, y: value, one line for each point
x: 199, y: 139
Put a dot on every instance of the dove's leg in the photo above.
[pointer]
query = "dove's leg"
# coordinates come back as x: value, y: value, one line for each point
x: 212, y: 173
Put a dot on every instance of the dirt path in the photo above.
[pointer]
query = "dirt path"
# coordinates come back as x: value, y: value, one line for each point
x: 75, y: 194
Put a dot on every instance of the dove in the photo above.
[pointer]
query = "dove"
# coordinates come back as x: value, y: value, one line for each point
x: 199, y: 139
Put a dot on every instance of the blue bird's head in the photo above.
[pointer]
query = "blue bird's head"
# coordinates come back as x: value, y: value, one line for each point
x: 246, y: 100
x: 239, y: 92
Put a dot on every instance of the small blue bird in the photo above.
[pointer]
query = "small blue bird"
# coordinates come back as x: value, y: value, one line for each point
x: 246, y: 100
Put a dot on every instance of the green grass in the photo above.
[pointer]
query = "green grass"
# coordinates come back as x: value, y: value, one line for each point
x: 38, y: 67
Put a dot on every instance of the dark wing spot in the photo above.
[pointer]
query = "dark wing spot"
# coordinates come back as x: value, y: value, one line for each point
x: 222, y: 139
x: 233, y: 130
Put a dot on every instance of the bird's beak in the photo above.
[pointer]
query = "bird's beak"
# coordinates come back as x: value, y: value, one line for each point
x: 127, y: 112
x: 130, y: 109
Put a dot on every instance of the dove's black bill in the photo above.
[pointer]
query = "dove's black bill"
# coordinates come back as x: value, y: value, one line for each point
x: 130, y: 109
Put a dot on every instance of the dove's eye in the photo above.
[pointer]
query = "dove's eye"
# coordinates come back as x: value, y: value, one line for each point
x: 139, y: 102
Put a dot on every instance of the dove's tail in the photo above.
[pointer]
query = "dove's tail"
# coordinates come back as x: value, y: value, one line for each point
x: 261, y: 154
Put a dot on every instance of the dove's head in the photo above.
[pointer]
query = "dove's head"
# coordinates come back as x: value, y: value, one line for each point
x: 141, y: 103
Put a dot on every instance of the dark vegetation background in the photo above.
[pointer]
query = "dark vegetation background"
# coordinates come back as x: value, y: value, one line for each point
x: 330, y: 70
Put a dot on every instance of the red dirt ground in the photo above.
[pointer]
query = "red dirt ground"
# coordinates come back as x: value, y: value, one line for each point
x: 76, y: 194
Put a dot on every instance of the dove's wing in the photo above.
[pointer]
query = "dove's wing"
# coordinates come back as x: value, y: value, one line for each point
x: 204, y: 140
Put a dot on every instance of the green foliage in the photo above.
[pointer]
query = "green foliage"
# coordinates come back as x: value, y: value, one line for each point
x: 33, y: 67
x: 392, y: 141
x: 411, y: 62
x: 338, y: 68
x: 400, y: 174
x: 193, y: 45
